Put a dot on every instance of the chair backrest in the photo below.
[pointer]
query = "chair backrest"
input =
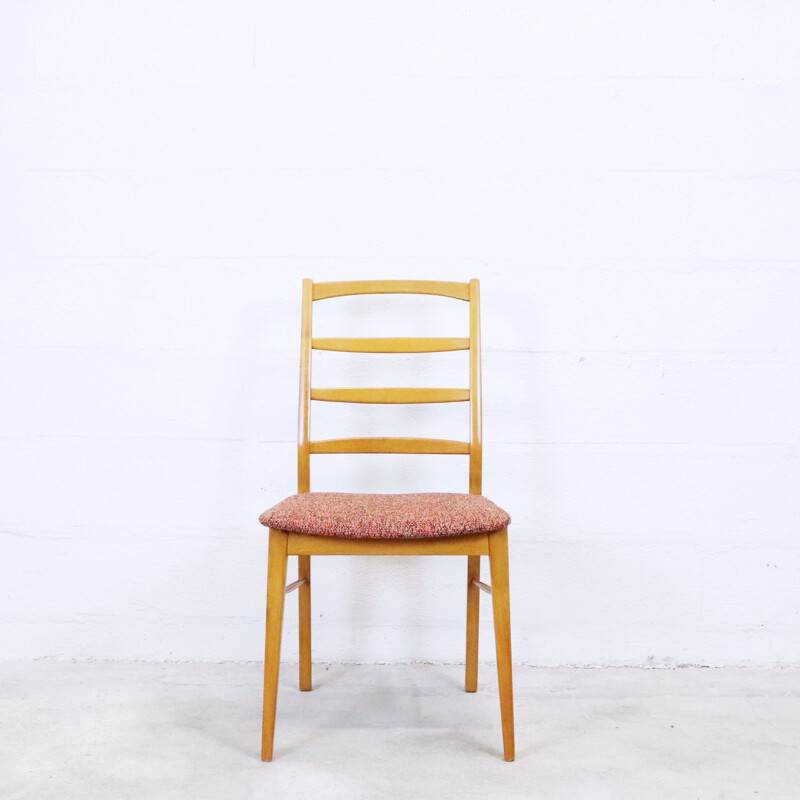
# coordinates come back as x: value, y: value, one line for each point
x: 469, y: 292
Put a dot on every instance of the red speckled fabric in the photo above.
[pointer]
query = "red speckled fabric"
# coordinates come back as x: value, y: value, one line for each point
x: 385, y: 516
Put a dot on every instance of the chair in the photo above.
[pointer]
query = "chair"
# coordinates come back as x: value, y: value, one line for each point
x: 325, y: 523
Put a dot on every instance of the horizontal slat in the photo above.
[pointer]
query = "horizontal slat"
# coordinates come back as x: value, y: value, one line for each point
x: 468, y: 544
x: 391, y: 445
x: 392, y: 345
x: 391, y: 395
x: 459, y: 291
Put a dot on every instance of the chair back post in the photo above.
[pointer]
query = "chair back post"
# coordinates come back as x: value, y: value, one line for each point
x: 476, y: 420
x: 303, y: 446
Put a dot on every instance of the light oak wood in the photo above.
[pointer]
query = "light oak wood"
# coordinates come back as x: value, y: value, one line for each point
x: 390, y: 445
x: 276, y: 582
x: 473, y: 617
x: 304, y: 601
x: 459, y: 291
x: 391, y: 395
x: 303, y: 452
x: 312, y: 545
x: 498, y: 562
x: 484, y: 587
x: 392, y: 345
x: 475, y: 414
x: 495, y: 545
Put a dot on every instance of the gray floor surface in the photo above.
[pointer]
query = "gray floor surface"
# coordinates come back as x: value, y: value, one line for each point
x: 191, y: 730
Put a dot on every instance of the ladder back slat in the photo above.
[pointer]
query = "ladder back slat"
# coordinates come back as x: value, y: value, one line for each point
x: 392, y: 345
x: 391, y: 395
x: 458, y: 291
x: 390, y: 445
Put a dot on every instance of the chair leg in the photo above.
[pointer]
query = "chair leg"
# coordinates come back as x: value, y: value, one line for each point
x: 498, y: 561
x: 304, y: 600
x: 276, y: 589
x: 473, y: 610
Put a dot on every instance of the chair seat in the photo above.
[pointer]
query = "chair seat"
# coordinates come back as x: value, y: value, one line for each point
x: 385, y: 516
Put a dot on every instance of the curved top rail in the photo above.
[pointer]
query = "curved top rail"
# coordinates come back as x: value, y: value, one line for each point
x: 458, y: 291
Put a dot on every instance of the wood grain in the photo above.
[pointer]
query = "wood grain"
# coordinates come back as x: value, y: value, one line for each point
x: 304, y: 604
x: 475, y: 412
x: 474, y: 545
x: 498, y: 562
x: 303, y: 462
x: 276, y: 592
x: 388, y: 444
x: 385, y: 394
x: 459, y: 291
x: 467, y: 544
x: 473, y: 618
x: 395, y: 344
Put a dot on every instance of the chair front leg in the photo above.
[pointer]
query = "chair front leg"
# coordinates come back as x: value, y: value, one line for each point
x: 276, y: 590
x: 498, y: 561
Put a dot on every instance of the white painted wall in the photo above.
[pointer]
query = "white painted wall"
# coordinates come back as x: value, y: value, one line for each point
x: 622, y: 176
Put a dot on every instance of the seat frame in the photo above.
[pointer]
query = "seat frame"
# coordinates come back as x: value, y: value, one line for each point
x: 283, y: 544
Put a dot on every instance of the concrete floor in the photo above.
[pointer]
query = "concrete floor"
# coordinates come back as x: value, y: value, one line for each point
x: 190, y: 730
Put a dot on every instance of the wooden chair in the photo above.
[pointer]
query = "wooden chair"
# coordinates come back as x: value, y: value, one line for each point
x: 317, y: 523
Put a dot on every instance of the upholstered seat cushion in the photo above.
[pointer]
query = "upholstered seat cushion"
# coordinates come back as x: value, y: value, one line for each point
x: 385, y: 516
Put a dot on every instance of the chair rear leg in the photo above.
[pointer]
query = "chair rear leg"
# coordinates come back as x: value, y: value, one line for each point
x: 498, y: 561
x: 473, y: 610
x: 304, y: 600
x: 276, y: 589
